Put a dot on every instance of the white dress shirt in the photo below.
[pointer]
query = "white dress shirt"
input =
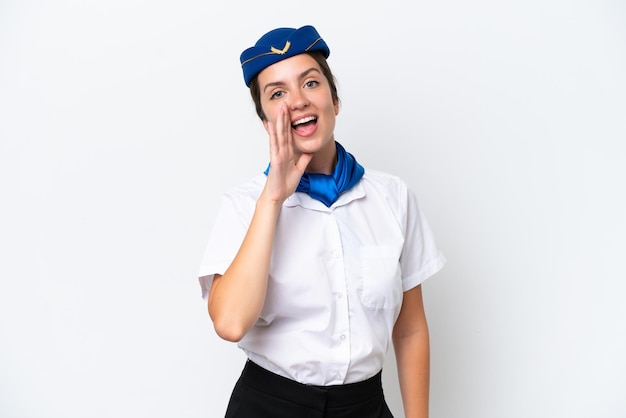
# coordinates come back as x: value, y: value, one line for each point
x: 336, y: 278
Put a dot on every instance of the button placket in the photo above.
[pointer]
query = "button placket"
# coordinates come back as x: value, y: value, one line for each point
x: 341, y: 325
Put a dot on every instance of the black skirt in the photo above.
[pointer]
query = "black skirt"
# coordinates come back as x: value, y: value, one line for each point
x: 260, y: 393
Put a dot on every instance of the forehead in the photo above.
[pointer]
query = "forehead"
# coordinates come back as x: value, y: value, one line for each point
x: 288, y: 69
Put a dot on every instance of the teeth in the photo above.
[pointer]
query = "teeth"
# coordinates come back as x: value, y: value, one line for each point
x: 304, y: 120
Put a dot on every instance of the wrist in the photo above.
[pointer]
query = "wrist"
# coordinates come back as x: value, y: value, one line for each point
x: 268, y: 202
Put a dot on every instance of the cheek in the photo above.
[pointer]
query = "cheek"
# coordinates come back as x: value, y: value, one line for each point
x: 333, y: 108
x: 269, y: 111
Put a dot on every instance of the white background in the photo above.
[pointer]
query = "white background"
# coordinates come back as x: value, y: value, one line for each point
x: 122, y: 121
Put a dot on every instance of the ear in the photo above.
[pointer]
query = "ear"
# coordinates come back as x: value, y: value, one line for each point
x: 265, y: 125
x: 336, y: 106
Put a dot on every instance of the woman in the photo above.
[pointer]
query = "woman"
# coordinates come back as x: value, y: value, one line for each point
x: 316, y: 265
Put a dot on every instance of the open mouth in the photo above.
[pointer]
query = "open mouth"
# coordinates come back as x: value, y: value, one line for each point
x: 304, y: 123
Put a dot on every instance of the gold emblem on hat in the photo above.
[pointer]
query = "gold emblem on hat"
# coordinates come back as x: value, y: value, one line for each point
x: 281, y: 51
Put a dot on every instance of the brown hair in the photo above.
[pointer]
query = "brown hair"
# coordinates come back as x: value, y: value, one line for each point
x: 255, y: 89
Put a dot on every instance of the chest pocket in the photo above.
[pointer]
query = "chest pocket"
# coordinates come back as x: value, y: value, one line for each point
x: 381, y: 282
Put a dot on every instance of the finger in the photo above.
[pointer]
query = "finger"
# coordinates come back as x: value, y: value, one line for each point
x: 303, y: 162
x: 283, y: 124
x: 271, y: 130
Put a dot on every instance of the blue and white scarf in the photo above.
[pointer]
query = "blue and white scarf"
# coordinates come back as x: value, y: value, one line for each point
x: 328, y: 187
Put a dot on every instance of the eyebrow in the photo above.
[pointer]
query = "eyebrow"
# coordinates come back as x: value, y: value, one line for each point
x: 300, y: 77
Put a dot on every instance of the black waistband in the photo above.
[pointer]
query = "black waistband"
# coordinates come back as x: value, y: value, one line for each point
x: 265, y: 381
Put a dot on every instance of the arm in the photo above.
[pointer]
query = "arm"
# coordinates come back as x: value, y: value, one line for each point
x: 412, y: 349
x: 237, y: 297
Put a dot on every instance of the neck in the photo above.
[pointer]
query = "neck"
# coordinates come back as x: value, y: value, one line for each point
x: 324, y: 160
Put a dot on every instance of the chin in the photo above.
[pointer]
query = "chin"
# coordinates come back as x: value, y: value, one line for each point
x: 311, y: 145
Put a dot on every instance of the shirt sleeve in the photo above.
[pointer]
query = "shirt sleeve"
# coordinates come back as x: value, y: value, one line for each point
x: 421, y: 257
x: 229, y: 228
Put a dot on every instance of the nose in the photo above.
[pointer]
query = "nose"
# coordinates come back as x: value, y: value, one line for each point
x: 298, y: 100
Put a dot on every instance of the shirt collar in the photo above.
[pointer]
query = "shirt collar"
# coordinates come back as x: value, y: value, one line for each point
x: 305, y: 201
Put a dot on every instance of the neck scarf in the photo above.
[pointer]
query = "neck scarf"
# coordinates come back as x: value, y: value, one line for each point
x: 327, y: 187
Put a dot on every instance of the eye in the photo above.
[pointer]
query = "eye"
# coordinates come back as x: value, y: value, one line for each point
x: 277, y: 95
x: 311, y: 83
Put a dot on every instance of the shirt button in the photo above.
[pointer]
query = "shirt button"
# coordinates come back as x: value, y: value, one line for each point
x: 342, y: 337
x: 339, y: 295
x: 336, y: 254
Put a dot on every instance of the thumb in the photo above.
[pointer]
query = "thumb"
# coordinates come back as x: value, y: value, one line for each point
x: 303, y: 162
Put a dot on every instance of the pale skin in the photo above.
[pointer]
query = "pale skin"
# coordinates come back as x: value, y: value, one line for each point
x: 293, y: 89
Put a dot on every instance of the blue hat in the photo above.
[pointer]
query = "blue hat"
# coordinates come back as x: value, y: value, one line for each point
x: 277, y: 45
